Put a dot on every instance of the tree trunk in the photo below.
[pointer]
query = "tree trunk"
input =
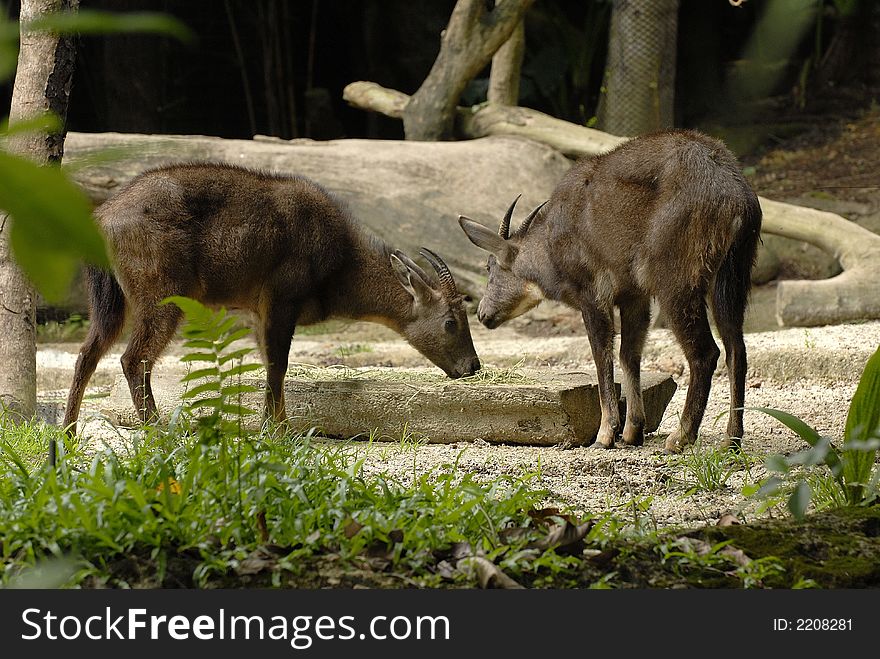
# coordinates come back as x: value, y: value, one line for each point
x: 42, y: 84
x: 471, y: 38
x: 848, y: 56
x: 640, y: 74
x: 506, y: 67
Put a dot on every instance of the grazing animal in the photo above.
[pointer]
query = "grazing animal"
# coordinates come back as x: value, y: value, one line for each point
x: 280, y: 247
x: 667, y: 215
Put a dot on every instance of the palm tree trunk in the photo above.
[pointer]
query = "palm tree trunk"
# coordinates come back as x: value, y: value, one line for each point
x: 639, y: 89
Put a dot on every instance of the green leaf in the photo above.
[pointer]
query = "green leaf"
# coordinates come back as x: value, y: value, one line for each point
x: 234, y: 336
x: 52, y: 226
x: 207, y: 344
x: 199, y: 390
x: 214, y: 402
x: 90, y: 21
x: 224, y: 323
x: 137, y: 493
x: 15, y: 458
x: 44, y: 123
x: 804, y: 431
x: 863, y: 419
x: 192, y: 308
x: 212, y: 371
x: 235, y: 354
x: 776, y: 463
x: 238, y: 410
x: 815, y: 455
x: 862, y: 425
x: 750, y: 489
x: 199, y: 357
x: 241, y: 369
x: 769, y: 487
x: 857, y: 445
x: 799, y: 500
x: 237, y: 389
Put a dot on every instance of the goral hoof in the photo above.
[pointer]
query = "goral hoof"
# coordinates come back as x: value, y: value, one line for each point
x: 733, y: 444
x: 597, y: 445
x: 676, y: 442
x: 634, y: 438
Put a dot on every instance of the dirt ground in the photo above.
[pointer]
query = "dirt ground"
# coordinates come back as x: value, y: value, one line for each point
x: 811, y: 373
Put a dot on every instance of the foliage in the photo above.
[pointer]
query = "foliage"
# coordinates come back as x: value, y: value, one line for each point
x: 853, y: 472
x: 91, y: 22
x: 561, y: 69
x: 168, y: 499
x: 707, y: 562
x: 52, y: 227
x: 564, y: 58
x: 23, y: 444
x: 208, y: 335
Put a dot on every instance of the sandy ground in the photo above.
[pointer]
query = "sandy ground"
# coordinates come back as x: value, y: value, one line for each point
x: 811, y: 373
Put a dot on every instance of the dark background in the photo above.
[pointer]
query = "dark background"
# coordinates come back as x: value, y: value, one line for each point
x: 278, y: 67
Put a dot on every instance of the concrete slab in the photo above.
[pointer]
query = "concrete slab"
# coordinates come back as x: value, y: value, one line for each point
x: 537, y: 408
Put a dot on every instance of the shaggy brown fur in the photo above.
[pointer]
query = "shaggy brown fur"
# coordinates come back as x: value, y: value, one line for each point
x: 667, y: 215
x: 279, y: 247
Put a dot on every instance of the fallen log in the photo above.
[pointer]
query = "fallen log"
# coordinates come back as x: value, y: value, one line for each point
x: 408, y: 193
x: 542, y: 408
x: 852, y: 295
x: 493, y: 120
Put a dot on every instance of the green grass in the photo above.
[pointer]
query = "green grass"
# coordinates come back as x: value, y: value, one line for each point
x: 191, y: 508
x: 844, y: 474
x: 216, y: 502
x: 202, y: 503
x: 353, y: 349
x: 708, y: 469
x: 25, y: 443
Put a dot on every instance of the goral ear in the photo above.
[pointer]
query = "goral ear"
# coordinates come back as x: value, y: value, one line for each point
x: 488, y: 240
x: 400, y: 269
x: 412, y: 279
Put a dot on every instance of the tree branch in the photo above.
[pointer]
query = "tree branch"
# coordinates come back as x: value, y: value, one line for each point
x: 470, y: 40
x: 506, y: 67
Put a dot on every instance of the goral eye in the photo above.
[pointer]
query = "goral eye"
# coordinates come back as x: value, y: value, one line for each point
x: 450, y: 325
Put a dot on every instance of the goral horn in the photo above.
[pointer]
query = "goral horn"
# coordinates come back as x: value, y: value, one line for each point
x: 447, y: 283
x: 504, y: 229
x: 528, y: 221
